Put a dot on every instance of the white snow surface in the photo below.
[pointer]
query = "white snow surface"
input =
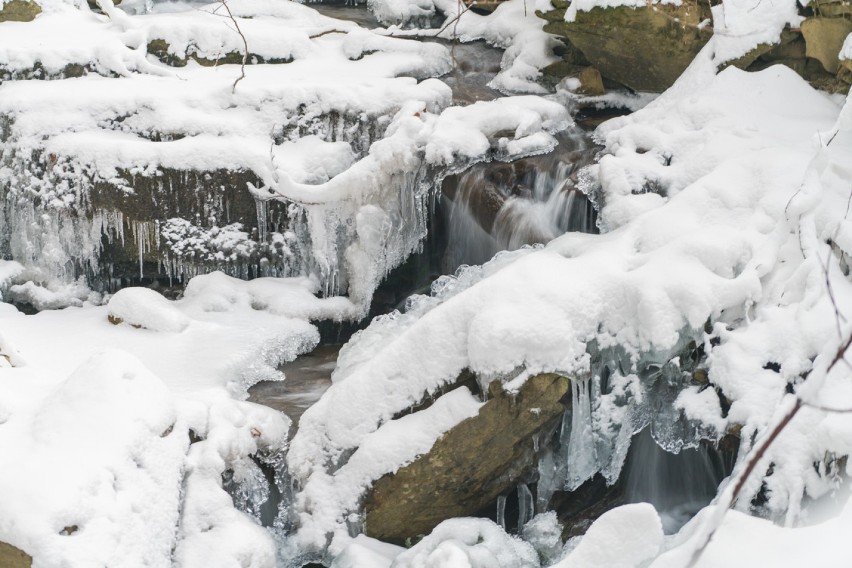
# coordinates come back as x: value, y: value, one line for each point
x: 625, y: 537
x: 468, y: 543
x: 106, y: 449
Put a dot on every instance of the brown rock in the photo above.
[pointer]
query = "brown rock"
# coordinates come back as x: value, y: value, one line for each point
x: 11, y: 557
x: 824, y: 38
x: 19, y: 11
x: 644, y: 49
x: 469, y: 466
x: 591, y: 82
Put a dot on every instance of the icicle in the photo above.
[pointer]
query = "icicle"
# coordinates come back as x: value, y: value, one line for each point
x: 262, y: 218
x: 501, y: 511
x: 525, y: 506
x: 582, y: 452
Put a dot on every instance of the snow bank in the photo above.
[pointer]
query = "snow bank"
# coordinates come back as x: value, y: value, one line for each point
x: 98, y: 468
x: 625, y: 537
x: 744, y: 541
x: 91, y: 473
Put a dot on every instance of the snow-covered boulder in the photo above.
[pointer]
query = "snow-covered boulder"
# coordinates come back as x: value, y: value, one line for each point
x: 626, y: 537
x: 472, y: 464
x: 145, y: 308
x: 468, y: 543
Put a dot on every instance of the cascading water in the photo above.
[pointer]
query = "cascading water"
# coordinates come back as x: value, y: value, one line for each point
x: 678, y: 485
x: 494, y: 207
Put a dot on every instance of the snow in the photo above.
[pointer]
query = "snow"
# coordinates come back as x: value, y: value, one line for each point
x: 625, y: 537
x: 145, y: 308
x: 100, y: 483
x: 364, y: 551
x: 744, y: 541
x: 468, y: 543
x: 107, y: 449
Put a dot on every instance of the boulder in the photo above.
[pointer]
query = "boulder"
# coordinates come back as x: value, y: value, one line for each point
x: 469, y: 466
x: 645, y: 49
x: 591, y: 82
x: 11, y: 557
x: 19, y: 11
x: 824, y: 38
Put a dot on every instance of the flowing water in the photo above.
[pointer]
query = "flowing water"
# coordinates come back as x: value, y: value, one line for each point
x: 493, y: 207
x: 677, y: 485
x: 306, y: 379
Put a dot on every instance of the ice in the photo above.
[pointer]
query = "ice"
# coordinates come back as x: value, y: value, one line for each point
x: 544, y: 533
x: 582, y: 449
x: 526, y: 507
x: 501, y: 511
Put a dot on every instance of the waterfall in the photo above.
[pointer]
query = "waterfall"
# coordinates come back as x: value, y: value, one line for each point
x: 497, y: 206
x: 678, y: 485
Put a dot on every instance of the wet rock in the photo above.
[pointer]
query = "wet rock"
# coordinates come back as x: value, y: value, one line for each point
x: 19, y: 11
x: 469, y: 466
x: 591, y: 82
x: 644, y: 49
x: 11, y: 557
x: 824, y: 38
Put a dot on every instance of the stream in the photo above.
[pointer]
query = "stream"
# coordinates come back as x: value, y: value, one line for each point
x: 488, y: 208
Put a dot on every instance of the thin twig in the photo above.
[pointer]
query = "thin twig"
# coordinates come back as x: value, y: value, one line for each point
x: 826, y: 266
x: 326, y: 32
x: 455, y: 20
x: 245, y: 45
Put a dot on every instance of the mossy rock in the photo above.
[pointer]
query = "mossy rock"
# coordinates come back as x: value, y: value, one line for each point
x: 19, y: 11
x: 160, y: 49
x: 641, y: 48
x: 469, y: 466
x: 11, y: 557
x: 824, y: 38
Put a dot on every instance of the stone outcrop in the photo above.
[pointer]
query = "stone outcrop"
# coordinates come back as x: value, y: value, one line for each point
x: 19, y: 11
x: 469, y: 466
x: 647, y: 49
x: 11, y: 557
x: 643, y: 49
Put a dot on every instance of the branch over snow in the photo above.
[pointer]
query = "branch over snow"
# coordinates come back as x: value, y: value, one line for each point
x: 245, y: 45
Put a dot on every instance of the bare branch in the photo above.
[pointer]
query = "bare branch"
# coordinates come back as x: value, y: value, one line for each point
x: 245, y: 44
x: 826, y: 266
x: 759, y: 451
x: 455, y: 20
x: 326, y: 32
